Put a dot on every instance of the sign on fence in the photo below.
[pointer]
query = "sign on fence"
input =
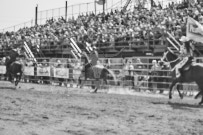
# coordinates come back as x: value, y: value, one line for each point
x: 76, y: 73
x: 2, y: 69
x: 61, y: 72
x: 43, y: 71
x: 29, y: 71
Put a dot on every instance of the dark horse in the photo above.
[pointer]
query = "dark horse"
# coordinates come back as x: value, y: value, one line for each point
x: 191, y: 72
x: 96, y: 73
x: 15, y: 71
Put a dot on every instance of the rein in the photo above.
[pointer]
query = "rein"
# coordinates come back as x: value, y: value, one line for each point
x: 170, y: 61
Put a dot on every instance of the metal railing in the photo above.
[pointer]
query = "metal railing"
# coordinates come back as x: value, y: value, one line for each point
x: 67, y: 72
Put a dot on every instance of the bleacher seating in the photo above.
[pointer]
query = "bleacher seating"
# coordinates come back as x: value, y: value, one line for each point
x: 139, y: 31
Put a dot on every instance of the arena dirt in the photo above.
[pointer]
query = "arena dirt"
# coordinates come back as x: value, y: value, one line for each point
x: 48, y: 110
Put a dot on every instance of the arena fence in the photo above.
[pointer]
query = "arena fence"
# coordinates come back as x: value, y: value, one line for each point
x: 129, y: 72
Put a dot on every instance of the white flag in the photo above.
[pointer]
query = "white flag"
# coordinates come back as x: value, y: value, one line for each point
x: 194, y: 30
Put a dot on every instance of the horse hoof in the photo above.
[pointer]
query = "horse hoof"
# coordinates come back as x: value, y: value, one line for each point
x: 200, y: 103
x: 170, y: 97
x: 195, y: 97
x: 95, y: 91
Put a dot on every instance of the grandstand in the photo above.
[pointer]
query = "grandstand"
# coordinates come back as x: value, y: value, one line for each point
x: 133, y: 25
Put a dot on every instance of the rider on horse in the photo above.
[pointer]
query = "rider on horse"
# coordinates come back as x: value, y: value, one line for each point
x: 186, y: 55
x: 92, y: 59
x: 12, y: 55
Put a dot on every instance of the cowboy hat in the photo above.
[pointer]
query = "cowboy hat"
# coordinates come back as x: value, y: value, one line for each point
x: 154, y: 61
x: 184, y: 39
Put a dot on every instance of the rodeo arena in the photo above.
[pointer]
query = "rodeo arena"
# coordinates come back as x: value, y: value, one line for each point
x: 135, y: 67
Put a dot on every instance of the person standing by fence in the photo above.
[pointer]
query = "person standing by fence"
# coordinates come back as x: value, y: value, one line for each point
x: 154, y: 75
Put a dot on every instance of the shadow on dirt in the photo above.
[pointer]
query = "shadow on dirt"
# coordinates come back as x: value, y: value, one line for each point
x: 12, y: 88
x: 184, y: 106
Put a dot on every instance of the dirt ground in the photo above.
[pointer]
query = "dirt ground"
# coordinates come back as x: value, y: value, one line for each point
x: 49, y: 110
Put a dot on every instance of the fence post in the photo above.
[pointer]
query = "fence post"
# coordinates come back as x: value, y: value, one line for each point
x: 66, y: 10
x: 52, y: 13
x: 87, y: 8
x: 95, y: 7
x: 47, y: 14
x: 59, y: 13
x: 72, y: 10
x: 36, y: 13
x: 79, y: 8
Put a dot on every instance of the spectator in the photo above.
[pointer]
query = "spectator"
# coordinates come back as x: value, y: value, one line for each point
x: 154, y: 74
x: 58, y: 64
x: 29, y: 63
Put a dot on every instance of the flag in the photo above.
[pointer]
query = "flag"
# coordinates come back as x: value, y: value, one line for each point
x: 194, y: 30
x: 101, y: 2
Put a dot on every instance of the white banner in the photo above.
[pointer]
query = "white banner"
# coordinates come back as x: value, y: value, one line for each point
x: 194, y: 30
x: 43, y: 71
x: 76, y: 73
x: 29, y: 71
x: 61, y: 72
x: 2, y: 69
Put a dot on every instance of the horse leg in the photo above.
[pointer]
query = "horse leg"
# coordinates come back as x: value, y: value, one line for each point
x: 171, y: 87
x: 200, y: 92
x: 82, y: 82
x: 79, y: 82
x: 18, y: 78
x: 10, y: 77
x: 178, y: 89
x: 105, y: 82
x: 96, y: 85
x: 201, y: 100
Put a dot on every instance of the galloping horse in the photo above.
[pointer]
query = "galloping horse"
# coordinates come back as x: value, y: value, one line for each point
x: 16, y: 71
x: 192, y: 72
x: 96, y: 72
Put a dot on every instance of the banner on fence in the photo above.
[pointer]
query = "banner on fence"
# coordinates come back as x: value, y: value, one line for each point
x: 2, y: 69
x: 76, y: 73
x: 61, y: 72
x: 43, y: 71
x: 29, y: 71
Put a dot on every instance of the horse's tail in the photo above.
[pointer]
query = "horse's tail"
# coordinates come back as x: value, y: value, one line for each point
x: 112, y: 74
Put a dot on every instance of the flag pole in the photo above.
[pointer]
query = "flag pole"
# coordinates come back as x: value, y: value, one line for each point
x: 103, y: 6
x: 95, y: 7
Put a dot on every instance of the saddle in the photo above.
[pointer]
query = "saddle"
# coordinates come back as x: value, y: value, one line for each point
x: 187, y: 65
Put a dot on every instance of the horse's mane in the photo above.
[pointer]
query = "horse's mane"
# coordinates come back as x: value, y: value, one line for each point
x: 172, y: 54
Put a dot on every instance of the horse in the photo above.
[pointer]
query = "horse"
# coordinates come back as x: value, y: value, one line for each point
x: 95, y: 72
x: 15, y: 71
x: 191, y: 72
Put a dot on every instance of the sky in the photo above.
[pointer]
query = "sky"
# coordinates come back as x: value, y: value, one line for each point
x: 14, y: 12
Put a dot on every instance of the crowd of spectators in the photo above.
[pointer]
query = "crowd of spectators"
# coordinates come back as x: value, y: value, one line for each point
x: 117, y: 28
